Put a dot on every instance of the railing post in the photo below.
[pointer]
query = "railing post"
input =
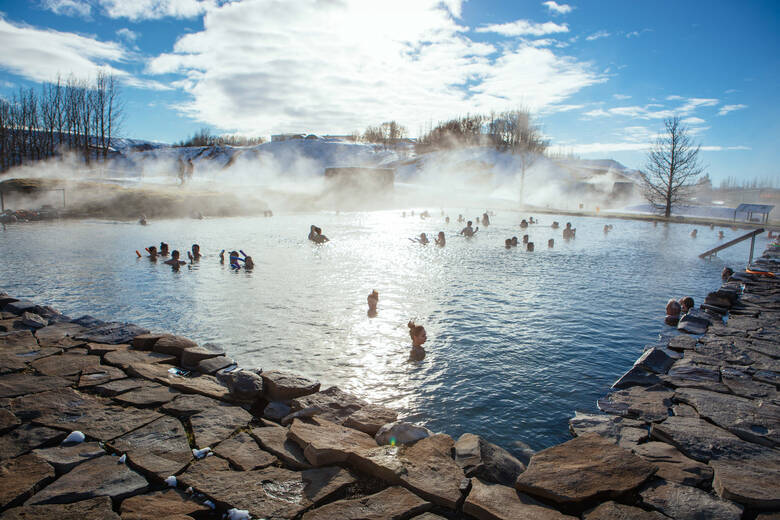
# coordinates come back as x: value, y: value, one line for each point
x: 752, y: 244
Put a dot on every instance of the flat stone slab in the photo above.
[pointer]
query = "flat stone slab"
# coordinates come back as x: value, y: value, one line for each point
x: 703, y: 441
x: 170, y: 503
x: 625, y: 432
x: 683, y: 342
x: 13, y: 385
x: 99, y: 375
x: 584, y: 468
x: 65, y: 458
x: 112, y: 332
x: 655, y: 360
x: 69, y: 410
x: 636, y: 376
x: 283, y: 386
x: 325, y: 443
x: 370, y: 418
x: 101, y: 349
x: 8, y: 420
x: 426, y: 468
x: 185, y: 405
x: 65, y: 364
x: 334, y: 404
x: 614, y: 511
x: 496, y: 502
x: 119, y: 386
x: 147, y: 341
x: 275, y: 441
x: 487, y: 461
x: 173, y: 345
x: 26, y: 438
x: 152, y: 395
x: 21, y: 476
x: 754, y: 421
x: 102, y: 476
x: 161, y: 447
x: 213, y: 365
x: 673, y: 466
x: 127, y: 357
x: 214, y: 425
x: 59, y: 335
x: 266, y: 493
x: 688, y: 503
x: 392, y: 503
x: 754, y: 483
x: 98, y: 508
x: 649, y: 404
x: 17, y: 339
x: 244, y: 453
x: 742, y: 384
x: 191, y: 357
x: 202, y: 384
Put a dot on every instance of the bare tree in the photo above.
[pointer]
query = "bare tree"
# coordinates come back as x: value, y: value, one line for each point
x: 672, y: 167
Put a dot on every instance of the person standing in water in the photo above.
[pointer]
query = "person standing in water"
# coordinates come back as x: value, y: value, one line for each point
x: 316, y: 236
x: 468, y: 231
x: 373, y: 301
x: 195, y: 253
x: 418, y: 335
x: 440, y: 240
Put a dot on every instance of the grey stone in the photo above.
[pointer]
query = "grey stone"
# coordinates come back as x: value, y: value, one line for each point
x: 19, y: 307
x: 283, y: 386
x: 101, y: 476
x: 582, y: 469
x: 214, y: 425
x: 614, y: 511
x: 394, y: 503
x: 401, y: 432
x: 332, y: 404
x: 484, y: 460
x: 119, y: 386
x: 173, y: 345
x: 98, y: 508
x: 496, y: 502
x: 170, y: 503
x: 65, y: 458
x: 8, y: 420
x: 161, y: 447
x: 650, y: 404
x: 684, y: 410
x: 625, y: 432
x: 33, y: 320
x: 767, y: 376
x: 243, y: 452
x: 325, y: 443
x: 682, y: 343
x: 25, y: 438
x: 276, y: 410
x: 693, y: 324
x: 370, y: 418
x: 213, y: 365
x: 99, y: 375
x: 753, y: 483
x: 191, y: 357
x: 655, y: 360
x: 688, y: 503
x: 186, y: 405
x: 275, y: 441
x: 22, y: 476
x: 673, y: 466
x: 243, y: 385
x: 65, y: 365
x: 152, y: 395
x: 112, y: 333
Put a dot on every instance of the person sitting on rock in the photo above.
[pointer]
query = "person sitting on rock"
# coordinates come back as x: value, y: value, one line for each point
x: 163, y: 249
x: 441, y: 241
x: 373, y: 301
x: 316, y: 236
x: 195, y: 253
x: 468, y: 231
x: 672, y: 312
x: 686, y: 304
x: 418, y: 335
x: 726, y: 273
x: 174, y: 261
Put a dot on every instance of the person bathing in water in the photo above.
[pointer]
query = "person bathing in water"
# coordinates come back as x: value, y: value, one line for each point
x: 423, y: 239
x: 163, y: 249
x: 195, y: 253
x: 440, y: 240
x: 373, y: 301
x: 468, y: 231
x: 174, y: 261
x: 316, y: 236
x: 417, y: 333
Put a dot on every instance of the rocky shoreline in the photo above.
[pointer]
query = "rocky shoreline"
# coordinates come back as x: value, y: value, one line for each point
x: 103, y: 420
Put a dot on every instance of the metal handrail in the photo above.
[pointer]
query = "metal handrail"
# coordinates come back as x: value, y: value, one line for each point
x: 752, y: 236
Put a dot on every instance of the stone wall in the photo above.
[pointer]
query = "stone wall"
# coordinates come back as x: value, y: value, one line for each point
x: 105, y: 420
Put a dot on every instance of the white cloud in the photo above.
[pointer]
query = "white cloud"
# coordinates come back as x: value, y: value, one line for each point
x: 601, y: 148
x: 693, y: 121
x: 725, y: 109
x: 724, y: 148
x: 68, y: 7
x: 621, y: 97
x: 155, y: 9
x: 265, y: 67
x: 637, y: 34
x: 658, y: 111
x: 691, y: 104
x: 597, y: 36
x: 674, y: 98
x: 524, y: 27
x: 127, y: 35
x: 557, y: 8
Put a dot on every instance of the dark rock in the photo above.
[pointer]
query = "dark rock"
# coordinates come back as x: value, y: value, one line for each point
x: 8, y: 420
x: 401, y: 432
x: 100, y: 349
x: 173, y: 345
x: 147, y: 341
x: 752, y: 482
x: 582, y: 469
x: 332, y: 404
x: 688, y: 503
x: 19, y: 307
x: 113, y: 332
x: 99, y: 375
x: 371, y: 418
x: 693, y: 323
x: 214, y: 425
x: 65, y: 458
x: 275, y: 441
x: 18, y: 339
x: 283, y: 386
x: 324, y: 442
x: 152, y: 395
x: 649, y: 404
x: 213, y: 365
x: 70, y: 410
x: 655, y: 360
x: 496, y: 502
x: 102, y: 476
x: 13, y: 385
x: 627, y: 433
x: 191, y: 357
x: 682, y: 343
x: 269, y: 492
x: 26, y: 438
x: 723, y: 300
x: 614, y: 511
x: 243, y: 452
x: 170, y: 503
x: 160, y: 447
x: 276, y: 410
x: 33, y: 320
x: 636, y: 376
x: 98, y: 508
x: 673, y: 466
x: 21, y: 476
x: 119, y: 386
x: 127, y: 358
x: 244, y: 385
x: 482, y: 459
x: 767, y: 376
x: 393, y: 503
x: 65, y: 365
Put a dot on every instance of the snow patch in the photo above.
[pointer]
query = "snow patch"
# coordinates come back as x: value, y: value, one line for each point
x: 75, y: 437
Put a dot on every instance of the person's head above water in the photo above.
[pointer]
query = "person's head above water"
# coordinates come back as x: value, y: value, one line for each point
x: 195, y: 248
x: 163, y: 247
x: 468, y: 223
x: 726, y: 273
x: 175, y: 254
x: 673, y: 308
x: 417, y: 333
x: 686, y: 304
x: 508, y: 243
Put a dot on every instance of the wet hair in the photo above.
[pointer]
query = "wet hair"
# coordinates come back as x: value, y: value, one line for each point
x: 152, y: 248
x: 373, y: 295
x: 468, y: 223
x: 508, y: 242
x: 175, y: 253
x: 726, y: 273
x: 163, y: 245
x: 414, y: 330
x: 673, y: 307
x: 195, y: 245
x: 686, y: 302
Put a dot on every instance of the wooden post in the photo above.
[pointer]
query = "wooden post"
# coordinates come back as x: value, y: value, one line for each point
x: 752, y: 244
x: 2, y: 202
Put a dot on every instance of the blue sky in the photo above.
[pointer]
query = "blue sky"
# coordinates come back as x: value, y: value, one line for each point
x: 600, y: 75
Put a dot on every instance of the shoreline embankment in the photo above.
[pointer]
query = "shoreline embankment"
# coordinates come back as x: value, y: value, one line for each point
x: 101, y: 419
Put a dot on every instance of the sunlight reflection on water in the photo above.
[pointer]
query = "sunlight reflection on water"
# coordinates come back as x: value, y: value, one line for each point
x: 517, y: 340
